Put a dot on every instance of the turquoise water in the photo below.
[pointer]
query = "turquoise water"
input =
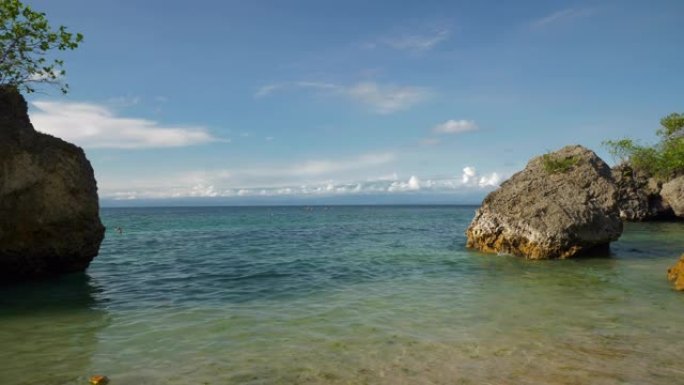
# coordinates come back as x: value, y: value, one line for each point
x: 343, y: 295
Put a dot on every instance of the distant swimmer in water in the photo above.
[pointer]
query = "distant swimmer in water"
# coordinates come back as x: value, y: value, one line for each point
x: 118, y: 230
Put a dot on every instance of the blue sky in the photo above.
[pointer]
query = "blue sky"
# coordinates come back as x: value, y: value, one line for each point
x: 352, y: 101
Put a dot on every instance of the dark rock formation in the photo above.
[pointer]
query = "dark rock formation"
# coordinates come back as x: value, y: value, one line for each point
x: 639, y: 197
x: 676, y: 274
x: 49, y: 211
x: 673, y: 193
x: 540, y: 214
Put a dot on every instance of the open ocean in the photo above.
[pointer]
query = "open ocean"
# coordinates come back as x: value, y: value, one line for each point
x: 343, y: 295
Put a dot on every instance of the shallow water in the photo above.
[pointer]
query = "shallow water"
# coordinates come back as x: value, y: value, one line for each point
x: 343, y: 295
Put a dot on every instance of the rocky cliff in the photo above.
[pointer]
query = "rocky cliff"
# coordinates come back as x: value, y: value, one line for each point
x: 541, y: 214
x: 639, y: 196
x: 673, y: 193
x: 643, y: 197
x: 49, y: 211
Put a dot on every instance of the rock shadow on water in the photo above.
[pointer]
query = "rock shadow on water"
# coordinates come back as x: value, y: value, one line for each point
x: 49, y: 330
x: 72, y: 291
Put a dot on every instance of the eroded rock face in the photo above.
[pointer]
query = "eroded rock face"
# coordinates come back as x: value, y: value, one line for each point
x: 539, y: 214
x: 676, y: 274
x: 49, y: 210
x: 673, y: 193
x: 639, y: 196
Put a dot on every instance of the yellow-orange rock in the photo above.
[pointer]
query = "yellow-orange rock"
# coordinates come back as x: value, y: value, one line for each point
x: 676, y: 274
x: 99, y: 380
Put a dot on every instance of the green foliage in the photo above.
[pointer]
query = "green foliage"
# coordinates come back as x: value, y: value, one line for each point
x: 553, y: 164
x: 664, y: 159
x: 647, y: 159
x: 672, y: 124
x: 620, y: 150
x: 673, y: 156
x: 26, y: 39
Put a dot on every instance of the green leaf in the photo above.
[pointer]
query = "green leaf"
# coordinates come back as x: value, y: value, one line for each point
x: 26, y: 39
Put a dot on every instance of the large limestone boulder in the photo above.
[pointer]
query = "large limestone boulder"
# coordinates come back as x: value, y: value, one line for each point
x: 550, y: 212
x: 49, y: 211
x: 676, y: 274
x: 673, y: 194
x: 639, y: 196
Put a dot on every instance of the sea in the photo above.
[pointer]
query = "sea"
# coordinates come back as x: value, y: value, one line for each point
x: 343, y: 295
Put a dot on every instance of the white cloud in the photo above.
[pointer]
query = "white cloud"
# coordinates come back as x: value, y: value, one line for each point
x: 323, y: 167
x: 416, y: 42
x: 382, y: 99
x: 45, y: 76
x: 562, y: 16
x: 94, y: 126
x: 387, y: 99
x: 412, y: 184
x: 124, y: 101
x: 317, y: 85
x: 492, y: 180
x: 314, y: 171
x: 269, y: 89
x: 201, y: 190
x: 390, y: 177
x: 429, y: 142
x: 229, y: 184
x: 470, y: 177
x: 455, y: 127
x: 414, y: 39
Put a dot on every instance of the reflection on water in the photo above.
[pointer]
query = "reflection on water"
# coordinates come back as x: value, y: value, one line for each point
x: 74, y: 291
x: 48, y: 330
x: 348, y: 295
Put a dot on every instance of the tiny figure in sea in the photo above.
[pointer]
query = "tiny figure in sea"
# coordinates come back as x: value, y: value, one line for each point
x: 118, y: 230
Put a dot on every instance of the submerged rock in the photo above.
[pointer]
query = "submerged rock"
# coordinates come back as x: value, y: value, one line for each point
x: 542, y: 212
x: 676, y: 274
x: 639, y: 196
x: 673, y: 193
x: 49, y: 210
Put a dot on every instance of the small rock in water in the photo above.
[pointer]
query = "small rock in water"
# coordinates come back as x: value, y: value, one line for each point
x: 99, y: 379
x: 676, y: 274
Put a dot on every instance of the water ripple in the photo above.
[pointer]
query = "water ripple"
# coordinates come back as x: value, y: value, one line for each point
x: 382, y: 295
